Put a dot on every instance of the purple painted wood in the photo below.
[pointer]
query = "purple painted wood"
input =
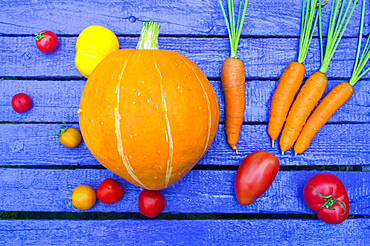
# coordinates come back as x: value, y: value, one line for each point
x: 263, y: 18
x: 183, y: 232
x: 263, y: 57
x: 197, y: 30
x: 54, y: 101
x: 41, y: 190
x: 36, y: 144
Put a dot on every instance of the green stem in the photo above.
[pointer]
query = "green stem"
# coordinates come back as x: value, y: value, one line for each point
x: 303, y: 26
x: 329, y: 202
x: 359, y: 65
x: 314, y: 26
x: 320, y: 33
x: 227, y: 24
x: 62, y: 129
x: 308, y: 26
x: 337, y: 25
x: 232, y: 18
x: 149, y: 36
x: 234, y: 28
x: 39, y: 35
x: 241, y: 25
x: 238, y: 23
x: 331, y: 25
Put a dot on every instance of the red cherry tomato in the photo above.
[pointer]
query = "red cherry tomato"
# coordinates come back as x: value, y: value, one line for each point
x: 109, y: 191
x: 325, y: 194
x: 21, y: 103
x: 46, y: 41
x: 255, y: 175
x: 151, y: 203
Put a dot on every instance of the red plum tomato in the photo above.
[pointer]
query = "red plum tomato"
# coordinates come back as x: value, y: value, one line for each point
x: 109, y: 191
x: 46, y: 41
x: 255, y: 175
x: 325, y: 194
x: 83, y: 197
x: 21, y: 103
x: 151, y: 203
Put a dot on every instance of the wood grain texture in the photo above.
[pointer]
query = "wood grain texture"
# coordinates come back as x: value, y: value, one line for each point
x: 183, y: 232
x: 263, y: 57
x: 189, y: 17
x: 54, y: 101
x: 36, y: 144
x: 200, y: 191
x: 197, y: 30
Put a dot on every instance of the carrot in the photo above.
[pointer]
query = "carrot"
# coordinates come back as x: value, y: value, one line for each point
x: 292, y: 77
x: 305, y: 102
x: 233, y: 83
x: 233, y: 75
x: 289, y: 83
x: 315, y: 85
x: 335, y: 99
x: 328, y: 106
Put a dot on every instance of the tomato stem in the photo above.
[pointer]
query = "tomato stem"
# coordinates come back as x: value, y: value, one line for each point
x: 329, y: 202
x: 62, y: 129
x: 39, y: 36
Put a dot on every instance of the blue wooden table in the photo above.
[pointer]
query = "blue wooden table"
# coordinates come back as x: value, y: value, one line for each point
x: 37, y: 172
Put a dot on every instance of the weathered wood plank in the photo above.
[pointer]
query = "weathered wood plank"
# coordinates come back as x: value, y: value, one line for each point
x: 200, y: 191
x: 54, y: 101
x: 263, y: 18
x: 183, y: 232
x: 263, y: 57
x: 36, y: 144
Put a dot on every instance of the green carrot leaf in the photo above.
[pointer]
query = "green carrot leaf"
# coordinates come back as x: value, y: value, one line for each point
x: 234, y: 29
x: 308, y: 26
x: 365, y: 56
x: 340, y: 16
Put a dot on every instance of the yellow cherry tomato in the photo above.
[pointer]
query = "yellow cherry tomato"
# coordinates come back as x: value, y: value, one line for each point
x: 83, y: 197
x: 93, y: 44
x: 69, y: 137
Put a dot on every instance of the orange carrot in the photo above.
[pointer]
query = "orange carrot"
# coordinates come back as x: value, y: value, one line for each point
x: 314, y: 88
x: 336, y: 97
x: 289, y: 83
x: 305, y: 102
x: 328, y: 106
x: 292, y: 77
x: 233, y: 75
x: 233, y: 83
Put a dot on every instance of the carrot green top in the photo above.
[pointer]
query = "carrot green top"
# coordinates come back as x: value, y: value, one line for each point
x: 359, y: 65
x: 308, y: 17
x: 337, y: 26
x: 233, y: 30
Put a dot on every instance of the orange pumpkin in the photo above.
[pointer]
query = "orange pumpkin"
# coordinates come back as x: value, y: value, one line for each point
x: 148, y: 115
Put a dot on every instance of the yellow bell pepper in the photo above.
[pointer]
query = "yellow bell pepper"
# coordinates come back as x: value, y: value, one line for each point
x: 93, y: 44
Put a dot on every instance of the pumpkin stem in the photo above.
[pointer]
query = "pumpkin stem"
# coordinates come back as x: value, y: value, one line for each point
x: 149, y: 36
